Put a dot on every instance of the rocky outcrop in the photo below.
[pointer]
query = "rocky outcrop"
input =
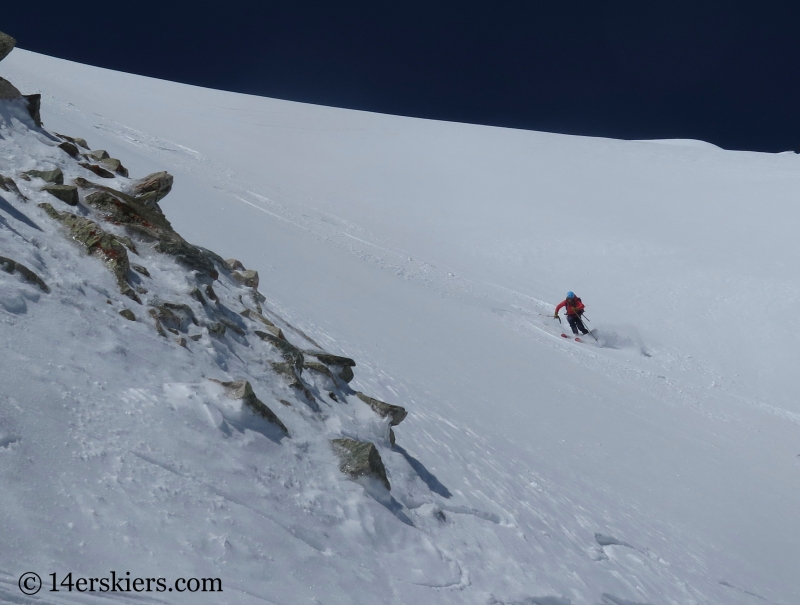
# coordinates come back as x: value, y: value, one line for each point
x: 247, y: 278
x: 128, y: 314
x: 140, y: 269
x: 288, y: 351
x: 193, y: 257
x: 234, y: 265
x: 7, y: 44
x: 98, y: 170
x: 342, y: 367
x: 387, y: 410
x: 153, y: 188
x: 360, y: 459
x: 11, y: 266
x: 232, y: 326
x: 75, y: 141
x: 8, y: 90
x: 7, y: 184
x: 69, y: 148
x: 243, y: 390
x: 54, y: 176
x: 268, y: 325
x: 34, y: 103
x: 174, y: 317
x: 97, y: 154
x: 150, y: 223
x: 114, y: 165
x: 292, y: 368
x: 98, y: 243
x: 318, y: 367
x: 334, y: 360
x: 66, y: 193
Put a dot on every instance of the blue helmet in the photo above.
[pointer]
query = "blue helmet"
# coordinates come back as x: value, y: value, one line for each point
x: 570, y: 294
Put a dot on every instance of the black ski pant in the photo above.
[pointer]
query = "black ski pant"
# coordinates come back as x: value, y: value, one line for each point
x: 576, y: 323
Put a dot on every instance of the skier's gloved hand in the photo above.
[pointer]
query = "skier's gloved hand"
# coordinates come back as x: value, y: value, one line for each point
x: 555, y: 315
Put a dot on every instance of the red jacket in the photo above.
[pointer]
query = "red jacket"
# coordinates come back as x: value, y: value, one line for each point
x: 573, y: 305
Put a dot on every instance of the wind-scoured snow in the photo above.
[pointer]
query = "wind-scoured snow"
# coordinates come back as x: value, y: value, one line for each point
x: 659, y: 465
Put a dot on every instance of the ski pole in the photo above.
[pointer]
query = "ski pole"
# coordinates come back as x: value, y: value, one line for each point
x: 584, y: 318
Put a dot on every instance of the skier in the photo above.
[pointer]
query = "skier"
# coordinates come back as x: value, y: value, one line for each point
x: 574, y: 311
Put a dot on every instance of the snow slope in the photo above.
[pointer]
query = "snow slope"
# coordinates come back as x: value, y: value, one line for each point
x: 660, y: 468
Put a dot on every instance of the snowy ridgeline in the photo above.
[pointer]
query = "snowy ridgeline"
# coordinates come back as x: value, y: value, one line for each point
x: 133, y: 358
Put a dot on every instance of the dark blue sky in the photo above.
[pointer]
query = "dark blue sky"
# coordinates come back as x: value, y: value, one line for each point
x: 724, y: 72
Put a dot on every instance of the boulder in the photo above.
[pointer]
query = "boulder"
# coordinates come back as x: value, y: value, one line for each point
x: 159, y: 327
x: 193, y: 257
x: 66, y: 193
x: 334, y: 360
x: 359, y: 459
x: 54, y: 176
x: 173, y: 316
x: 128, y: 314
x: 234, y: 265
x: 288, y: 372
x: 318, y: 367
x: 153, y: 188
x: 7, y: 44
x: 69, y: 149
x: 255, y: 295
x: 75, y: 140
x: 270, y: 327
x: 387, y: 410
x: 275, y: 331
x: 8, y: 184
x: 232, y: 326
x: 341, y: 366
x: 140, y: 269
x: 115, y: 165
x: 8, y: 90
x: 128, y: 243
x: 123, y: 209
x: 34, y: 103
x: 243, y: 390
x: 97, y: 155
x: 346, y: 373
x: 248, y: 278
x: 198, y: 296
x: 11, y: 266
x: 288, y: 351
x: 217, y: 329
x: 98, y: 243
x: 150, y: 223
x: 98, y: 170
